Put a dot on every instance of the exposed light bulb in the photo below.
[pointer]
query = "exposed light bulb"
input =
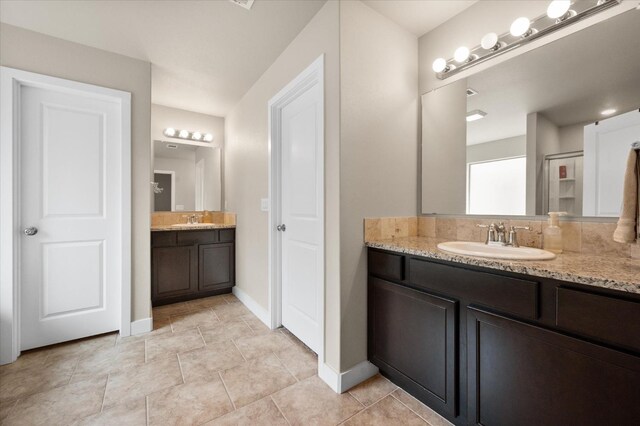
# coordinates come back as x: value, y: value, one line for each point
x: 170, y: 131
x: 520, y: 27
x: 489, y: 41
x: 439, y: 65
x: 558, y: 8
x: 196, y: 136
x: 184, y: 134
x: 208, y: 137
x: 461, y: 54
x: 609, y: 111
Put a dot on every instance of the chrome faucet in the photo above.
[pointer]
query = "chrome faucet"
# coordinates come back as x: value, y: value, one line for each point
x: 192, y: 218
x: 497, y: 234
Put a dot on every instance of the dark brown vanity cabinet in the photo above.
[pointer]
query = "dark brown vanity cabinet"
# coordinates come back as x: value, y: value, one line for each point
x: 188, y: 265
x: 485, y: 347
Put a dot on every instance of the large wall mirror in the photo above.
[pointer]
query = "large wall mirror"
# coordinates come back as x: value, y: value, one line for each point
x: 186, y: 177
x: 548, y: 130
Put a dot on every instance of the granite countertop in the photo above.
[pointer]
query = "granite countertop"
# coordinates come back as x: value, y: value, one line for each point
x: 191, y: 228
x: 599, y: 271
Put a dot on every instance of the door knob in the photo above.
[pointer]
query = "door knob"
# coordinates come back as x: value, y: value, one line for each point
x: 32, y: 230
x: 282, y: 227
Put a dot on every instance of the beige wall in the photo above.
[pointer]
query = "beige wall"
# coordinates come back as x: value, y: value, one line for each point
x: 494, y: 150
x: 247, y: 163
x: 31, y: 51
x: 378, y: 149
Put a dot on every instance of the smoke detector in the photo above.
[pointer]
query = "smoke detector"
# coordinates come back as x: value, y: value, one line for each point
x: 471, y: 92
x: 172, y: 146
x: 243, y: 3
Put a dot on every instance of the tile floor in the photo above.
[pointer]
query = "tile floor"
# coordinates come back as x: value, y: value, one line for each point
x: 208, y: 361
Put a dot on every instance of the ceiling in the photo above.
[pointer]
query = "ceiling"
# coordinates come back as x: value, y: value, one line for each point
x: 569, y: 81
x: 206, y: 54
x: 419, y: 16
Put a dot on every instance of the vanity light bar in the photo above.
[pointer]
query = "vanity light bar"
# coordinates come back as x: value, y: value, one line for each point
x: 522, y: 32
x: 186, y: 134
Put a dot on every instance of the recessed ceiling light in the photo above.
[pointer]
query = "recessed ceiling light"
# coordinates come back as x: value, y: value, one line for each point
x: 608, y: 111
x: 476, y: 114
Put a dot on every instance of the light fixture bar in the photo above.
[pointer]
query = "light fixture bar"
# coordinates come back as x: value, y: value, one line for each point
x: 541, y: 26
x: 187, y: 135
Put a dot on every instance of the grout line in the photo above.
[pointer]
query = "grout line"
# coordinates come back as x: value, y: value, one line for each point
x: 233, y: 404
x: 146, y: 408
x: 75, y: 368
x: 145, y: 351
x: 236, y: 345
x: 204, y: 342
x: 287, y: 368
x: 410, y: 409
x: 104, y: 395
x: 281, y: 413
x: 181, y: 372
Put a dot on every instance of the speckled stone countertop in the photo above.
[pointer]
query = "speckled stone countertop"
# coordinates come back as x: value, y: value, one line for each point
x: 599, y: 271
x: 191, y: 228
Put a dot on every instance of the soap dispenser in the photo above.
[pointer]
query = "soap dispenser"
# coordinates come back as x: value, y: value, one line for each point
x: 552, y: 235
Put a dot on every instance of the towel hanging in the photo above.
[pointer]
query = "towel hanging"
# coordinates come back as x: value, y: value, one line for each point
x: 628, y: 229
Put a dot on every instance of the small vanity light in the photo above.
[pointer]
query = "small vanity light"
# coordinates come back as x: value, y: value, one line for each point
x: 476, y: 114
x: 490, y: 42
x: 461, y: 54
x: 521, y: 27
x: 196, y: 136
x: 558, y: 9
x: 608, y: 111
x: 208, y: 137
x: 170, y: 131
x: 439, y: 65
x: 184, y: 134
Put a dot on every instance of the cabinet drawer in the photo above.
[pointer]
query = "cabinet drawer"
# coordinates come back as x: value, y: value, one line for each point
x: 186, y: 238
x: 607, y: 319
x: 386, y: 265
x: 163, y: 239
x: 510, y: 295
x: 227, y: 235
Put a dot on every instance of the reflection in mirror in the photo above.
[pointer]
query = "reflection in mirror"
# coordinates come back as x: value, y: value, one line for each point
x: 187, y: 177
x: 548, y: 130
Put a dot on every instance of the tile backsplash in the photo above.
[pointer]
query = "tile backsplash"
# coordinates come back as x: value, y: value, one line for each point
x: 578, y: 237
x: 170, y: 218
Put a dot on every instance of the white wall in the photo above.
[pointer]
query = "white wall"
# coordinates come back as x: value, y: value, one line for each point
x: 247, y: 162
x: 35, y: 52
x: 502, y: 148
x: 379, y: 149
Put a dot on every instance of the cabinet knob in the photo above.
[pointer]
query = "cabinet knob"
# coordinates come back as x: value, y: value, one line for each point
x: 30, y: 231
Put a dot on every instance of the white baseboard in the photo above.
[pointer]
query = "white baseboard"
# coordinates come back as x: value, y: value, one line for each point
x: 253, y: 306
x: 342, y: 382
x: 142, y: 326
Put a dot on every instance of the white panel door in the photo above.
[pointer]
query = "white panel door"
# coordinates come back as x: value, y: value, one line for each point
x: 302, y: 214
x: 606, y: 147
x: 71, y: 193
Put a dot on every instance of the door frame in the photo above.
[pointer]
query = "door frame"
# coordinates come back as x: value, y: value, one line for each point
x: 312, y: 76
x: 11, y: 82
x: 173, y: 185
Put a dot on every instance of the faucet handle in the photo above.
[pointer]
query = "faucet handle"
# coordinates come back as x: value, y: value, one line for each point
x: 491, y: 232
x: 525, y: 228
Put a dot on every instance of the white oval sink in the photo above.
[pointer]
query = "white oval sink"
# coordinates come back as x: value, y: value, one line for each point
x: 469, y: 248
x: 191, y: 225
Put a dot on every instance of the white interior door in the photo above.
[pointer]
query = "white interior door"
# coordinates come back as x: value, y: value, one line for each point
x: 302, y: 213
x: 606, y: 147
x: 71, y: 193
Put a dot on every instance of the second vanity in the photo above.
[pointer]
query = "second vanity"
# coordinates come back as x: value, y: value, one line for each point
x: 190, y: 261
x: 489, y: 342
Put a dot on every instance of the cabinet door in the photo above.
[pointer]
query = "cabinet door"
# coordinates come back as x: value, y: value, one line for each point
x: 524, y: 375
x: 412, y: 339
x: 216, y: 266
x: 175, y: 272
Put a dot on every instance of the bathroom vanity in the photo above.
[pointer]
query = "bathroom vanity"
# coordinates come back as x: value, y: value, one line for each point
x: 492, y: 342
x: 191, y: 262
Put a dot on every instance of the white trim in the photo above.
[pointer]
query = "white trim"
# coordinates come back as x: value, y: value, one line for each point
x: 173, y: 185
x: 342, y: 382
x: 253, y: 306
x: 11, y: 81
x: 142, y: 326
x: 311, y: 76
